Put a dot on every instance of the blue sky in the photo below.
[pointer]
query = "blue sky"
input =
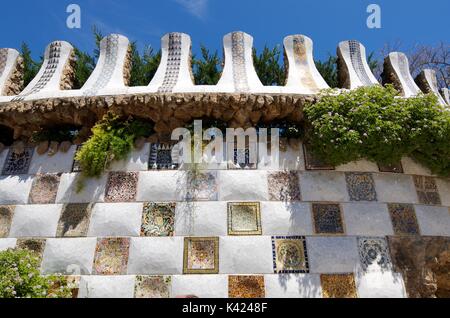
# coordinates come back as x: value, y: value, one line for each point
x: 326, y: 21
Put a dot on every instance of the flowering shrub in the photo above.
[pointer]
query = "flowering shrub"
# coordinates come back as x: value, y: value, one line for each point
x: 20, y: 277
x: 374, y: 123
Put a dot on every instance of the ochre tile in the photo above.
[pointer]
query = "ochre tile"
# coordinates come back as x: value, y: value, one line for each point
x: 244, y: 218
x: 44, y: 189
x: 338, y: 286
x: 111, y: 256
x: 153, y: 287
x: 201, y: 255
x: 246, y: 287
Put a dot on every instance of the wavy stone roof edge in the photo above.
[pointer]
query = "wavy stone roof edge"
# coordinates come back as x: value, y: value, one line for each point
x: 168, y: 111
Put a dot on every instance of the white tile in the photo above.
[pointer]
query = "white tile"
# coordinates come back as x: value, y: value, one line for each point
x: 161, y: 186
x: 15, y: 189
x: 93, y: 189
x: 367, y: 219
x: 116, y: 220
x: 433, y: 220
x: 286, y: 218
x: 106, y: 287
x: 137, y: 160
x: 202, y: 286
x: 243, y: 185
x: 156, y: 256
x: 69, y: 256
x: 395, y: 188
x: 323, y: 186
x: 35, y: 220
x: 328, y: 255
x: 6, y: 243
x: 293, y: 286
x: 359, y: 166
x: 380, y: 284
x: 59, y: 163
x: 444, y: 190
x: 292, y: 159
x: 246, y: 255
x: 201, y: 219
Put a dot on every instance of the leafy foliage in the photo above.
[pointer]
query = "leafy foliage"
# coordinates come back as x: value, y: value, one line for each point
x: 328, y: 70
x: 20, y: 277
x: 112, y: 139
x: 207, y: 70
x: 268, y: 68
x: 373, y: 123
x: 84, y: 67
x: 30, y: 67
x: 144, y: 66
x: 55, y: 133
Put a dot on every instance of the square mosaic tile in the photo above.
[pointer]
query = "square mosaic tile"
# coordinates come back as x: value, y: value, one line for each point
x: 246, y: 287
x: 244, y: 219
x: 17, y: 164
x: 289, y: 254
x: 284, y: 186
x: 328, y: 219
x: 338, y: 286
x: 404, y: 219
x: 361, y: 187
x: 121, y: 187
x: 153, y: 287
x: 74, y: 220
x: 44, y: 189
x: 374, y: 253
x: 393, y: 168
x: 201, y: 255
x: 202, y: 186
x: 161, y: 157
x: 312, y: 162
x: 111, y: 256
x: 6, y: 216
x: 35, y: 245
x: 427, y: 190
x: 158, y: 219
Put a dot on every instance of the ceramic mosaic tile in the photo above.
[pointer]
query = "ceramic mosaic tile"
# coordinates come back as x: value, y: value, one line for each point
x: 427, y: 190
x: 76, y: 167
x: 44, y: 189
x: 161, y: 157
x: 244, y: 219
x: 246, y: 287
x: 6, y: 216
x: 35, y: 245
x: 289, y: 254
x: 312, y: 162
x: 202, y: 187
x: 111, y: 256
x: 153, y: 287
x: 173, y: 63
x: 374, y: 252
x: 238, y: 52
x: 392, y: 168
x: 338, y: 286
x: 284, y: 186
x: 356, y: 57
x: 361, y: 187
x: 74, y: 220
x: 158, y: 219
x: 404, y: 219
x: 328, y: 219
x: 201, y: 255
x: 121, y: 187
x: 17, y: 164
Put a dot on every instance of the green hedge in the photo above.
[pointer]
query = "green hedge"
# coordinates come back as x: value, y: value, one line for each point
x: 376, y: 124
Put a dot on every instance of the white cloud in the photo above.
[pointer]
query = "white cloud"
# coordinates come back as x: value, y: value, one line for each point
x: 197, y: 8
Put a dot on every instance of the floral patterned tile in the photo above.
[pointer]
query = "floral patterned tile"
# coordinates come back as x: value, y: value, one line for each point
x: 74, y: 220
x: 244, y: 219
x: 427, y: 190
x: 312, y: 162
x: 201, y: 255
x: 374, y: 253
x: 153, y: 287
x: 392, y: 168
x: 361, y: 187
x: 158, y: 219
x: 404, y: 219
x: 328, y: 219
x: 284, y: 186
x: 111, y: 256
x: 202, y: 186
x: 289, y: 254
x: 338, y: 286
x: 246, y: 287
x: 44, y: 189
x: 121, y: 187
x: 6, y: 216
x: 17, y: 164
x: 35, y: 245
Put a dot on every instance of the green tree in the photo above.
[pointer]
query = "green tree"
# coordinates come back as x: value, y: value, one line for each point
x: 268, y: 68
x: 144, y: 66
x: 84, y: 67
x: 328, y: 70
x: 207, y: 70
x: 30, y: 66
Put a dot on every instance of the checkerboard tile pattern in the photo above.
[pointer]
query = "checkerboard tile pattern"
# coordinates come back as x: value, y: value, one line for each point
x: 74, y: 220
x: 244, y: 219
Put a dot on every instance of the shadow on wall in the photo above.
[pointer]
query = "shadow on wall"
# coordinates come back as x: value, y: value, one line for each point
x: 6, y: 135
